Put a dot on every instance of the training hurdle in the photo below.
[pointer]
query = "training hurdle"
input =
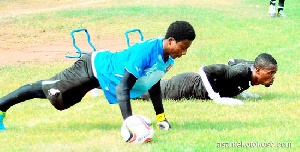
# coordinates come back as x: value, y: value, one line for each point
x: 78, y: 50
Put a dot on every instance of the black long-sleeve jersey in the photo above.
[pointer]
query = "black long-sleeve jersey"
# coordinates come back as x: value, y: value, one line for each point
x: 227, y: 80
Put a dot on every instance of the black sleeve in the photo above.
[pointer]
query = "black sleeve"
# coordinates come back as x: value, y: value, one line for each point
x: 217, y: 71
x: 122, y: 93
x: 228, y: 80
x: 156, y: 98
x: 222, y: 71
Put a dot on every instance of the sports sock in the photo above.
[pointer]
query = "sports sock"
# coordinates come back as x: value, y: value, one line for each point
x: 280, y: 5
x: 272, y: 2
x: 280, y: 8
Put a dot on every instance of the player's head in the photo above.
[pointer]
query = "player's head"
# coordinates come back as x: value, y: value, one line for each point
x: 265, y: 68
x: 179, y: 36
x: 181, y: 30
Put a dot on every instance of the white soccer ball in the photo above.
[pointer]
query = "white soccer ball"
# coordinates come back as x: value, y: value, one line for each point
x: 137, y: 129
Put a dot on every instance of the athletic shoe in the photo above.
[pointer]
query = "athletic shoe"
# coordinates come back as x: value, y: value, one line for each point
x: 239, y: 61
x: 281, y: 14
x: 272, y: 11
x: 2, y: 115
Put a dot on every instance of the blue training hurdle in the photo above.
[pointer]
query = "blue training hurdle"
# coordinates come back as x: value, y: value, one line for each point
x: 78, y: 50
x: 133, y: 30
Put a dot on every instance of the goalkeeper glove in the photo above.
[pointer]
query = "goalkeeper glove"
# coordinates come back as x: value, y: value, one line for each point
x: 228, y: 101
x: 163, y: 123
x: 246, y: 95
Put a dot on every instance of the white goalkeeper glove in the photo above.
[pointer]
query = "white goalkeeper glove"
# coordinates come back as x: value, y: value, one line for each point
x: 246, y: 95
x: 228, y: 101
x: 162, y: 122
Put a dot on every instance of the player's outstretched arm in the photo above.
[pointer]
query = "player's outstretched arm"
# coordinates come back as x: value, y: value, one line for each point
x: 122, y: 93
x: 215, y: 96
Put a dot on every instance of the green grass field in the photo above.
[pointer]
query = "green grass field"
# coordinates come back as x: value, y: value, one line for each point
x: 226, y: 29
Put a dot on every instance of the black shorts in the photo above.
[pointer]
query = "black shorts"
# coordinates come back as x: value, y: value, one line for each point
x: 70, y: 86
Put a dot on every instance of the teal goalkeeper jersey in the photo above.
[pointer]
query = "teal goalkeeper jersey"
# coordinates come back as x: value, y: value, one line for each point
x: 144, y: 60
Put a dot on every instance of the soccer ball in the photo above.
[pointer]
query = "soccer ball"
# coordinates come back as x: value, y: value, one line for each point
x: 137, y: 129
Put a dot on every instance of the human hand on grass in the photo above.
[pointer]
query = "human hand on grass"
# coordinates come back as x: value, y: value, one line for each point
x: 163, y: 123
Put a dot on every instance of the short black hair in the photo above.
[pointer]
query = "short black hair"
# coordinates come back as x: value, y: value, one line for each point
x: 181, y: 30
x: 264, y: 60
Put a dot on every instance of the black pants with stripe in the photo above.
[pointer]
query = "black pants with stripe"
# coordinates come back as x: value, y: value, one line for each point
x: 63, y: 90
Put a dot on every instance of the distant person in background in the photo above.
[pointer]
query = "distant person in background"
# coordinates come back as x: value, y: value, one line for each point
x: 221, y: 82
x: 272, y: 10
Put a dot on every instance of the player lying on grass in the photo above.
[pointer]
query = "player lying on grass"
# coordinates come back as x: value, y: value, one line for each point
x: 221, y: 82
x: 122, y: 75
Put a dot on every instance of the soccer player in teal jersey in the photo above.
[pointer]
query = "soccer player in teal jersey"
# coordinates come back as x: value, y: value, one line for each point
x: 122, y: 75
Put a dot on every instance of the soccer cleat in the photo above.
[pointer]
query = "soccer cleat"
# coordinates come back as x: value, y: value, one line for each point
x: 281, y: 14
x: 272, y: 11
x: 239, y: 61
x: 2, y: 115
